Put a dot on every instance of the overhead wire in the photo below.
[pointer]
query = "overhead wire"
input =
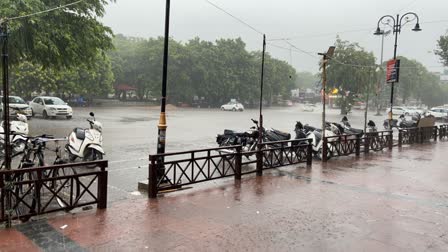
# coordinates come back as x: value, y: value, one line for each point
x: 235, y: 17
x: 44, y: 11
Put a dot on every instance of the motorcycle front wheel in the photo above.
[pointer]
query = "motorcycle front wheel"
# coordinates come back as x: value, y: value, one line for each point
x: 92, y: 155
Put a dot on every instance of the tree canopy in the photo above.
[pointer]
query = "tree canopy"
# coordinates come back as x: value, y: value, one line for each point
x: 61, y: 38
x: 350, y: 71
x: 212, y: 72
x: 442, y: 49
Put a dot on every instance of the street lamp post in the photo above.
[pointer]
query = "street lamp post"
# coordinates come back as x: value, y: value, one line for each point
x: 380, y: 80
x: 162, y: 119
x: 5, y: 70
x: 260, y: 123
x: 396, y: 29
x: 325, y: 57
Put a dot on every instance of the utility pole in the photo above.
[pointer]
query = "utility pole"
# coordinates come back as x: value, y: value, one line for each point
x: 161, y: 139
x: 260, y: 123
x: 5, y: 70
x: 325, y: 57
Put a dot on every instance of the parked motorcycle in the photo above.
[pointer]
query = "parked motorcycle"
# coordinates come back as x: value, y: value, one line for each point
x: 247, y: 139
x: 315, y: 135
x: 19, y: 131
x: 348, y: 129
x: 371, y: 127
x: 402, y: 122
x: 86, y: 144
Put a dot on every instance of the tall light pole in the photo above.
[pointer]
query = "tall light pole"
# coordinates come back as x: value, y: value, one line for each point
x: 161, y: 139
x: 380, y: 81
x: 396, y: 29
x: 325, y: 57
x: 259, y: 171
x: 5, y: 70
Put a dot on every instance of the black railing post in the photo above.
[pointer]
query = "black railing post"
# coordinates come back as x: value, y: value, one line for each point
x: 309, y: 153
x: 282, y: 149
x: 102, y: 187
x: 324, y: 149
x: 259, y: 156
x: 37, y: 190
x: 238, y: 161
x: 390, y: 138
x: 366, y: 144
x: 421, y: 134
x: 2, y: 197
x: 358, y: 144
x: 400, y: 138
x: 152, y: 178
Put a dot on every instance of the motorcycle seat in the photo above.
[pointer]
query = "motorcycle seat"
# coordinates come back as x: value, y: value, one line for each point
x: 229, y: 132
x: 309, y: 128
x: 80, y: 133
x: 281, y: 133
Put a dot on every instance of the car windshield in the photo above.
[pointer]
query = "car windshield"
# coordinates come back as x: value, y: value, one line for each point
x: 14, y: 100
x: 53, y: 101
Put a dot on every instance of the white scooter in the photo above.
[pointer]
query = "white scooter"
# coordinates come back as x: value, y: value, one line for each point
x: 19, y: 132
x: 86, y: 144
x: 316, y: 136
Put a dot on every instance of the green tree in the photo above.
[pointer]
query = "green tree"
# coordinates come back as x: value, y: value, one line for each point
x: 349, y: 70
x: 216, y: 71
x: 61, y: 38
x: 94, y: 80
x: 306, y: 80
x: 442, y: 49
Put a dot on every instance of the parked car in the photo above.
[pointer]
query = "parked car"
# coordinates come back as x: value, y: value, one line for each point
x: 233, y: 106
x: 17, y: 106
x: 438, y: 112
x: 415, y: 110
x: 397, y: 110
x: 50, y: 107
x: 308, y: 107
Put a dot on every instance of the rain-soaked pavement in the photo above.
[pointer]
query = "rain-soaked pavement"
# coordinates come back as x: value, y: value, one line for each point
x: 389, y: 201
x: 130, y: 133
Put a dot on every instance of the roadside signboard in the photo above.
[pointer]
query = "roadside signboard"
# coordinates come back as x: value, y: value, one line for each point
x: 393, y: 71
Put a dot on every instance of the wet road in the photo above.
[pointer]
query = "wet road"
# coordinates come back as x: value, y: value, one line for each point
x: 391, y: 201
x: 130, y: 133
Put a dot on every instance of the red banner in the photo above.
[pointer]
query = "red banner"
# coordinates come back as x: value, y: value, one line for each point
x: 393, y: 71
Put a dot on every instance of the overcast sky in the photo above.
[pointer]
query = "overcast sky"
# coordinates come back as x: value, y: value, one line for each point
x: 313, y: 24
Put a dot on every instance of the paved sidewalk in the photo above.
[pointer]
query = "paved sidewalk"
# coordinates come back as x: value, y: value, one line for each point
x: 391, y: 201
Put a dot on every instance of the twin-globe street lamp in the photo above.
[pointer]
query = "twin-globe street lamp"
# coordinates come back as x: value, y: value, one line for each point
x: 396, y: 29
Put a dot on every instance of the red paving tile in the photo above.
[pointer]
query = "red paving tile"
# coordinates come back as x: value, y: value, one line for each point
x: 382, y: 202
x: 12, y: 240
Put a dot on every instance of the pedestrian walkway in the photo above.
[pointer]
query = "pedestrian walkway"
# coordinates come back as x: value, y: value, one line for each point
x: 391, y: 201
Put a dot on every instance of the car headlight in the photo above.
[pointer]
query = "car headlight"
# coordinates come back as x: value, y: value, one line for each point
x: 52, y: 109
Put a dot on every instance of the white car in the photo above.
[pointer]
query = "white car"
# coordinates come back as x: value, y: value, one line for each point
x: 17, y: 106
x: 396, y: 110
x: 438, y: 112
x: 50, y: 107
x: 233, y: 106
x: 415, y: 110
x: 308, y: 107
